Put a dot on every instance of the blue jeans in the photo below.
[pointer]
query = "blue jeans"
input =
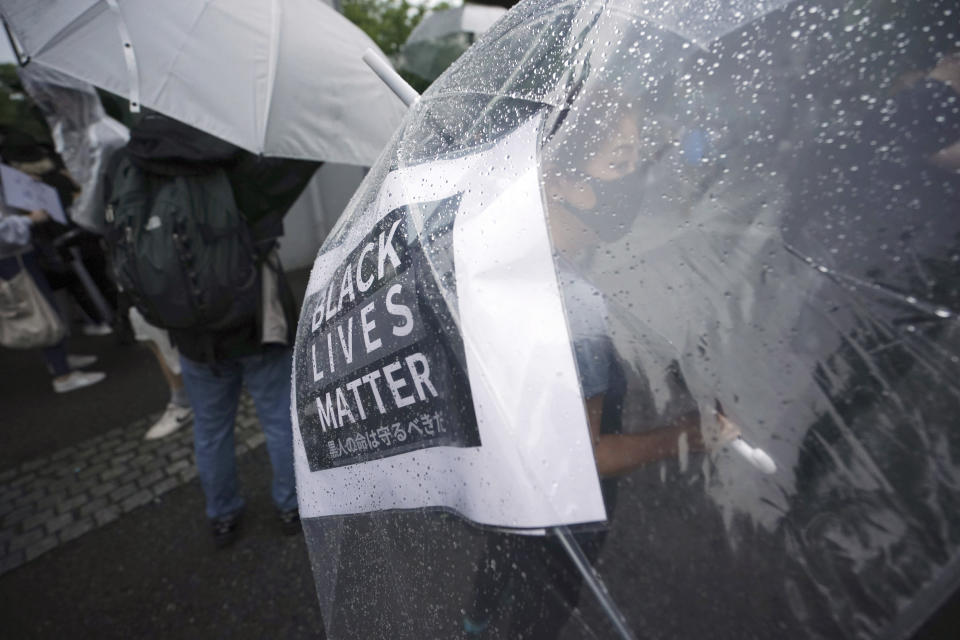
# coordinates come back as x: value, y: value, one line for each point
x: 214, y: 395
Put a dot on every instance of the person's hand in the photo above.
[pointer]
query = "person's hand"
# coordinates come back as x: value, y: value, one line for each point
x: 948, y: 158
x: 718, y: 431
x: 947, y: 71
x: 38, y: 215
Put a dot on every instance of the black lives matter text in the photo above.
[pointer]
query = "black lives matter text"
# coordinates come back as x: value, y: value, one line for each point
x: 380, y: 370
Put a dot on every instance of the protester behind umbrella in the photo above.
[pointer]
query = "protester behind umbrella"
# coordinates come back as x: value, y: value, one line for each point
x: 55, y: 242
x: 16, y: 253
x: 229, y: 334
x: 585, y: 155
x: 584, y: 167
x: 83, y: 135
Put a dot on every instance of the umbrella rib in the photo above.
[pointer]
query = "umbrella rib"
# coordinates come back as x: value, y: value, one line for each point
x: 513, y: 76
x: 271, y: 71
x: 94, y: 9
x: 15, y: 46
x: 129, y: 56
x: 165, y: 78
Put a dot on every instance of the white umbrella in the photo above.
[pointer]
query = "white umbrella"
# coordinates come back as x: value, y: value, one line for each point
x: 282, y: 78
x: 442, y: 36
x: 468, y: 18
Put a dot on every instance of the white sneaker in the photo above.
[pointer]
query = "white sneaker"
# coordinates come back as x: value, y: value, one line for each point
x: 77, y: 361
x: 171, y: 420
x: 96, y: 329
x: 77, y: 380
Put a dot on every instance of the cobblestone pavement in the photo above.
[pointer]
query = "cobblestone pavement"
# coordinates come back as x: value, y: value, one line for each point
x: 51, y: 500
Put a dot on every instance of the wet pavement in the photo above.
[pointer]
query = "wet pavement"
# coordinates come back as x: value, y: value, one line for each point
x: 154, y: 573
x: 105, y: 537
x: 102, y: 533
x: 51, y: 500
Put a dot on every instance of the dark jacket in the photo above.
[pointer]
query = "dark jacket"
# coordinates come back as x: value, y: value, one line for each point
x: 264, y: 190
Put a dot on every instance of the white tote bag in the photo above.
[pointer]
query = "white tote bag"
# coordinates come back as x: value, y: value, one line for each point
x: 27, y: 320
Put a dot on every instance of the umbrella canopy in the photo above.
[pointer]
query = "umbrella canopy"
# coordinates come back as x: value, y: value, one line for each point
x: 735, y: 249
x: 282, y: 78
x: 442, y: 36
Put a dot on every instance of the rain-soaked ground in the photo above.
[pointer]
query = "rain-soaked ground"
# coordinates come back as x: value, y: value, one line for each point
x: 154, y: 573
x: 102, y: 534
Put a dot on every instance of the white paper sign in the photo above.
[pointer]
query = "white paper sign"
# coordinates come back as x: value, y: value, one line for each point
x: 21, y: 191
x: 385, y: 417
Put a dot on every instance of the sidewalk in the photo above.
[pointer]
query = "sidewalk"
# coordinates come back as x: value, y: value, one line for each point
x: 103, y: 535
x: 107, y: 538
x: 51, y: 500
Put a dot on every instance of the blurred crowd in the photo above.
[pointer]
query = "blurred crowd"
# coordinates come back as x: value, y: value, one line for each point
x: 212, y: 304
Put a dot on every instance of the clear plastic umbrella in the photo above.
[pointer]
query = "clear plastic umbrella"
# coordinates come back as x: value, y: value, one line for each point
x: 84, y: 136
x: 689, y: 295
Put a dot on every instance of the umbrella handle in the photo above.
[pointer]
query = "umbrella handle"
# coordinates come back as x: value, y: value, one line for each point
x: 391, y: 78
x: 576, y: 555
x: 754, y: 455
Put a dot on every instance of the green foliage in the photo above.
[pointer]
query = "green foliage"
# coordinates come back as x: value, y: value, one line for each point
x: 387, y: 22
x: 17, y: 110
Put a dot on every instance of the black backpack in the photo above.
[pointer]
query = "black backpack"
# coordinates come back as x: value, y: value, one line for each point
x: 182, y: 249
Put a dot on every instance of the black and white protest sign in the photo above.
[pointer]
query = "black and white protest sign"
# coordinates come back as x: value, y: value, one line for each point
x: 433, y: 366
x: 386, y: 369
